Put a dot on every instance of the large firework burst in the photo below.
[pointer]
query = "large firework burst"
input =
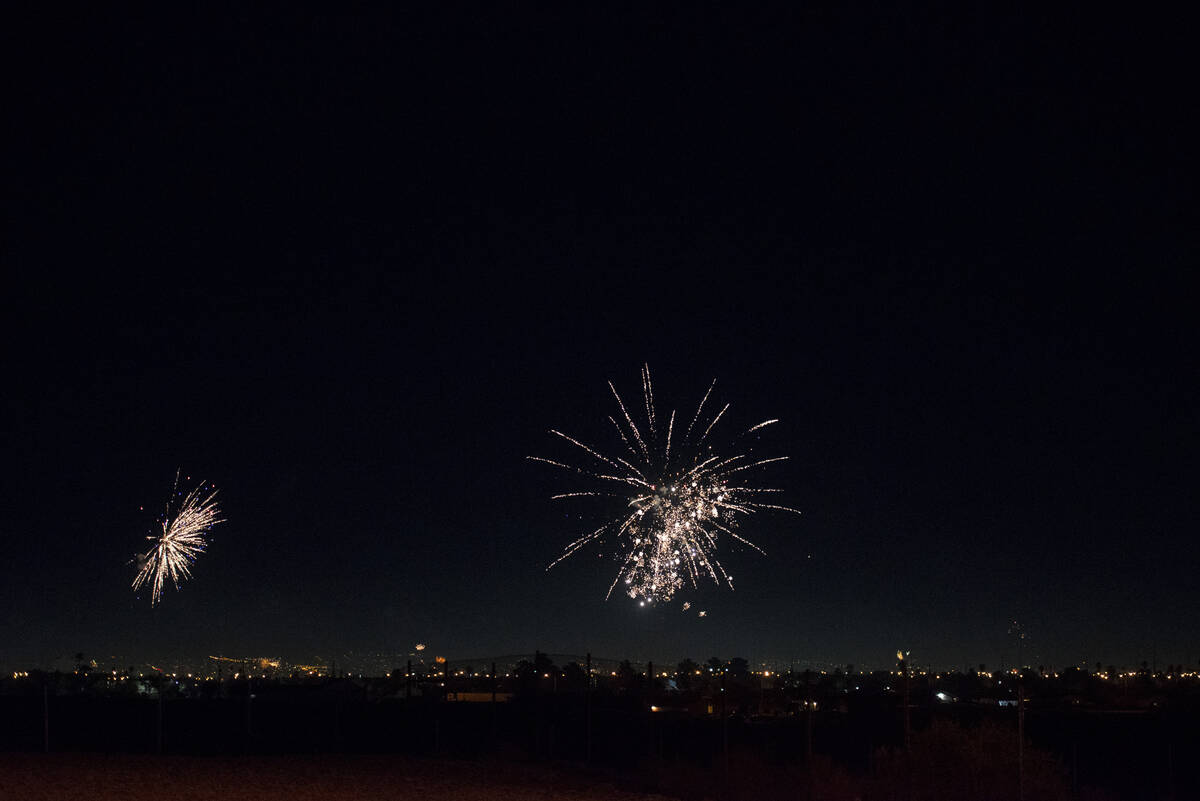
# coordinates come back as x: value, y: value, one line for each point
x: 181, y: 540
x: 680, y: 499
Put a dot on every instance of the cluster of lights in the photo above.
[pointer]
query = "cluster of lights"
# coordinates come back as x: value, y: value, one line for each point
x: 678, y: 505
x: 765, y: 673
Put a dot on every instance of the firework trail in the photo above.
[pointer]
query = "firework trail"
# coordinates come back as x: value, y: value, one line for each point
x: 681, y: 499
x: 180, y: 542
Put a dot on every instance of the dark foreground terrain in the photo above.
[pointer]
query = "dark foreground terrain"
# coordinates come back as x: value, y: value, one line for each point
x: 126, y: 777
x: 838, y: 737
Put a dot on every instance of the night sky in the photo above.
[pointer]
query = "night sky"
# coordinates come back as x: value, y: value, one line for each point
x: 351, y: 268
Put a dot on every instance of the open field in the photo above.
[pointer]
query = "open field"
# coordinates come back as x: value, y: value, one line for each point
x: 96, y: 777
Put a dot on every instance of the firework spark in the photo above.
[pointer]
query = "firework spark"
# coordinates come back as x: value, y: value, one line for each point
x: 682, y: 500
x: 180, y: 541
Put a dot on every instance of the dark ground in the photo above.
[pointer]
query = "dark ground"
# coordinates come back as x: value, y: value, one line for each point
x: 126, y: 777
x: 337, y: 740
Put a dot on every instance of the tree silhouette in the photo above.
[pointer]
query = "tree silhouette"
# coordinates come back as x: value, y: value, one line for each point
x: 542, y: 663
x: 687, y: 672
x: 575, y: 675
x: 626, y: 676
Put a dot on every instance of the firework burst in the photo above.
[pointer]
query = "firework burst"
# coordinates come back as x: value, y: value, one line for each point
x: 184, y: 526
x: 679, y: 500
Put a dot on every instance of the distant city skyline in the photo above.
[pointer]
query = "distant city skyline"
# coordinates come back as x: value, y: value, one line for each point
x: 378, y: 663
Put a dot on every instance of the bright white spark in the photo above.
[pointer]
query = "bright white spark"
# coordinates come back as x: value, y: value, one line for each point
x: 181, y: 540
x: 679, y: 501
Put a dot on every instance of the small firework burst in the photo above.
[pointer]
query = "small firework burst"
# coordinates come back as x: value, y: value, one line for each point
x: 680, y: 499
x: 181, y: 539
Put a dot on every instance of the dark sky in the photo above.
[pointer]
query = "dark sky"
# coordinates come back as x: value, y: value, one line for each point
x: 352, y: 267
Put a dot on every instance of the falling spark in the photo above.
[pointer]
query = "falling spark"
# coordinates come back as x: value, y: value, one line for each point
x: 763, y: 424
x: 681, y: 499
x: 180, y: 542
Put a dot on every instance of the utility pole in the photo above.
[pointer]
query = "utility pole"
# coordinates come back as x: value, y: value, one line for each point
x: 809, y: 705
x: 1020, y: 736
x: 249, y: 720
x: 539, y: 723
x: 724, y: 730
x: 493, y: 705
x: 158, y: 739
x: 588, y: 711
x: 1020, y: 634
x: 442, y: 698
x: 45, y: 714
x: 648, y: 703
x: 809, y: 708
x: 907, y: 717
